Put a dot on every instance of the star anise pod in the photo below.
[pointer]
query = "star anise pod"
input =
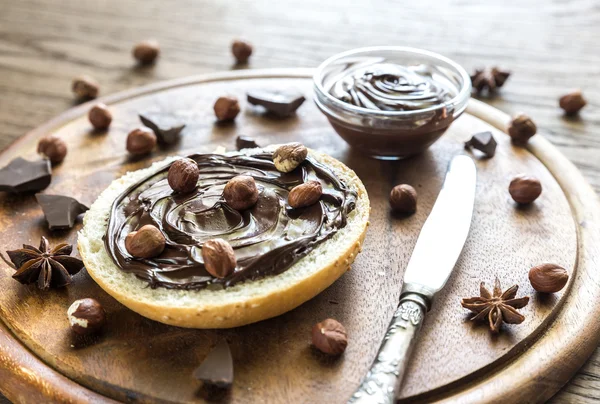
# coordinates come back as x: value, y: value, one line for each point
x: 44, y: 265
x: 497, y: 307
x: 488, y: 78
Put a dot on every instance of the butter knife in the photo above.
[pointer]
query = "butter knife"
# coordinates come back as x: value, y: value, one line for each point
x: 438, y: 247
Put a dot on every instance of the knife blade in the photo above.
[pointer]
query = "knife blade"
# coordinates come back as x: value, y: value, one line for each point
x: 435, y: 254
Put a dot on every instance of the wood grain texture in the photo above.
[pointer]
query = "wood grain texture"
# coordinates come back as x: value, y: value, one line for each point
x: 550, y: 46
x: 124, y: 362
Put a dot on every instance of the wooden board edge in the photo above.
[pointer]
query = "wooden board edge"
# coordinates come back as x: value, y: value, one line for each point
x: 26, y: 379
x: 539, y: 372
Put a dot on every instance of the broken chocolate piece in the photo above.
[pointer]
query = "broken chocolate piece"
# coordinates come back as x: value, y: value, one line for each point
x: 281, y: 103
x: 484, y: 142
x: 60, y: 211
x: 245, y: 142
x: 22, y: 175
x: 217, y: 368
x: 164, y: 126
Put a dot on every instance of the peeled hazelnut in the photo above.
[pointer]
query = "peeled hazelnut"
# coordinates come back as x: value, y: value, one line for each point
x: 241, y: 51
x: 85, y: 87
x: 521, y: 129
x: 525, y: 189
x: 403, y: 199
x: 572, y: 103
x: 330, y: 337
x: 146, y: 242
x: 141, y: 141
x: 53, y: 147
x: 226, y: 108
x: 100, y: 117
x: 146, y: 52
x: 548, y: 278
x: 218, y: 256
x: 305, y: 194
x: 183, y: 175
x: 289, y: 156
x: 86, y: 316
x: 240, y: 192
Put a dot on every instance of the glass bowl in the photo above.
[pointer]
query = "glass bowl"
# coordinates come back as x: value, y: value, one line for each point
x: 388, y: 134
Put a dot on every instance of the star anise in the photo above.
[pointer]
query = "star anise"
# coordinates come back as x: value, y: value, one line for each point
x: 488, y: 78
x: 497, y: 307
x: 44, y: 265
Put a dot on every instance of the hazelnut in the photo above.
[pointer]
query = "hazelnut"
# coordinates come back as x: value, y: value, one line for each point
x: 85, y: 87
x: 53, y: 147
x: 572, y: 103
x: 240, y: 192
x: 218, y: 256
x: 525, y: 189
x: 146, y: 242
x: 100, y: 117
x: 141, y: 141
x: 403, y: 199
x: 305, y: 194
x: 289, y: 156
x: 241, y: 51
x: 226, y: 108
x: 183, y: 175
x: 521, y: 129
x: 146, y: 52
x: 330, y: 337
x: 548, y: 278
x: 86, y: 316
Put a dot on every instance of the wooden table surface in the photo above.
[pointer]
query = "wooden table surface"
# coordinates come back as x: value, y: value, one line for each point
x: 550, y: 46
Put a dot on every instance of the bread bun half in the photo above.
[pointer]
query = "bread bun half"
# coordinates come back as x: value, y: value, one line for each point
x: 243, y: 303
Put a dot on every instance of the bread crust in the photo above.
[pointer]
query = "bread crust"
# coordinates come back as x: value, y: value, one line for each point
x: 246, y: 309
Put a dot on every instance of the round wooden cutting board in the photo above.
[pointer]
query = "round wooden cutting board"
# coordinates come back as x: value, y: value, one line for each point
x: 136, y: 359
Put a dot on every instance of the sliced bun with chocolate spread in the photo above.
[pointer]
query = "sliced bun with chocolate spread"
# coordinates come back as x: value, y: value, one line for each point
x: 285, y: 256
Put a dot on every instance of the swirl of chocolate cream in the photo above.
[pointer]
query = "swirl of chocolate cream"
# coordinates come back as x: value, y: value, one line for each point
x: 267, y: 238
x: 392, y: 87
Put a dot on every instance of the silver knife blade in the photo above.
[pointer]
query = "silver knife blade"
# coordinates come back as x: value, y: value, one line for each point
x: 446, y: 229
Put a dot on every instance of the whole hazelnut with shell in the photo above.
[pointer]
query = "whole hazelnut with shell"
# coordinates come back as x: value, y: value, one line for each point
x: 548, y: 278
x: 241, y: 192
x: 53, y: 147
x: 146, y: 242
x: 183, y: 175
x: 241, y: 50
x: 305, y: 194
x: 525, y: 189
x: 289, y: 156
x: 219, y: 258
x: 521, y: 129
x: 226, y: 108
x: 330, y: 337
x: 86, y: 316
x: 146, y: 52
x: 403, y: 199
x: 141, y: 141
x: 85, y: 87
x: 100, y: 116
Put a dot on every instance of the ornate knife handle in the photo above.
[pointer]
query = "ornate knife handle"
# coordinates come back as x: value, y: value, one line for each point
x: 382, y: 383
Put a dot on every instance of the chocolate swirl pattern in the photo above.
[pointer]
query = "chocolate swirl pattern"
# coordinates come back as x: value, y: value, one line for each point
x: 267, y: 239
x: 392, y: 87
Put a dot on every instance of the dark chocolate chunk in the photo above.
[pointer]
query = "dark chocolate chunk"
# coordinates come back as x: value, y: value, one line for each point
x: 60, y: 211
x: 484, y: 142
x: 245, y: 142
x: 217, y: 368
x: 164, y: 126
x: 281, y: 103
x: 22, y: 175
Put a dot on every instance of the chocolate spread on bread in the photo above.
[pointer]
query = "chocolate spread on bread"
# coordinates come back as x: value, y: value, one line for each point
x: 267, y: 238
